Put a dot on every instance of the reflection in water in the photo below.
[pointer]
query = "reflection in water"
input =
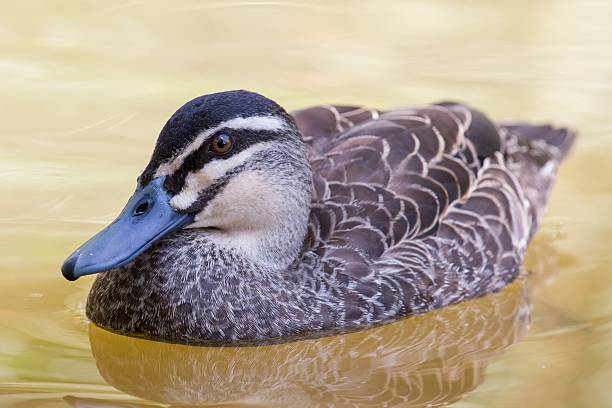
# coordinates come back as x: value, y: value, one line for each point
x: 98, y: 403
x: 427, y: 360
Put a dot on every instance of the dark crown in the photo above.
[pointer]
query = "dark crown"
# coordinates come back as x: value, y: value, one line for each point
x: 205, y: 112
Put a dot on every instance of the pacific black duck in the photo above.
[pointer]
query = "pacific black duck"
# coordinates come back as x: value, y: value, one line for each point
x: 253, y: 225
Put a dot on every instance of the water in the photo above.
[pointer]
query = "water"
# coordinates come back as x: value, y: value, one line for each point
x: 86, y: 86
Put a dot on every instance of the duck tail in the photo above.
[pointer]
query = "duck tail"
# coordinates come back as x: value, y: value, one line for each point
x: 533, y: 154
x: 543, y: 142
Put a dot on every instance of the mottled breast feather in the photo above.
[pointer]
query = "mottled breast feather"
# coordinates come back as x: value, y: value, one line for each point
x: 419, y: 208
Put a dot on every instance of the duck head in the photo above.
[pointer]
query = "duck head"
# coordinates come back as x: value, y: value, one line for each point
x: 231, y: 164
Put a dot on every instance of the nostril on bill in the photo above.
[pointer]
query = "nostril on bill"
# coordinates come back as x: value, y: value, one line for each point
x: 141, y: 208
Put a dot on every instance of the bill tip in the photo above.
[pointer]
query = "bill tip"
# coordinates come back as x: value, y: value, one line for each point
x: 68, y: 268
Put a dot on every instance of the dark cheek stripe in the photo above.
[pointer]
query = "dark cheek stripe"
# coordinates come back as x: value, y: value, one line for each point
x: 211, y: 192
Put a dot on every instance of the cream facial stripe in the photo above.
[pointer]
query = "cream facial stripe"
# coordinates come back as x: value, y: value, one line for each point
x: 250, y: 123
x: 203, y: 178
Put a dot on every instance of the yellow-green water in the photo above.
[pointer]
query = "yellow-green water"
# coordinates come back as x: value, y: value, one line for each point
x: 86, y: 86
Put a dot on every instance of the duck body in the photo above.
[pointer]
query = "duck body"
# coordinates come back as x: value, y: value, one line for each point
x: 330, y: 219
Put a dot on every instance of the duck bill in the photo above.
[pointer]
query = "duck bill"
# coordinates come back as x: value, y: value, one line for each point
x: 146, y: 218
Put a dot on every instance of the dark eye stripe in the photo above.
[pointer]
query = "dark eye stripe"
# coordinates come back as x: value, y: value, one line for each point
x: 203, y: 155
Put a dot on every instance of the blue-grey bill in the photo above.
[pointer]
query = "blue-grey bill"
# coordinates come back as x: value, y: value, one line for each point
x: 146, y: 218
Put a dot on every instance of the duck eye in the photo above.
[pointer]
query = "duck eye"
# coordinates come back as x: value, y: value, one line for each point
x: 222, y: 144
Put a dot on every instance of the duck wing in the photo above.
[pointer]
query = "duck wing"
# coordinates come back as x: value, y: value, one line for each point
x: 418, y: 208
x: 419, y: 157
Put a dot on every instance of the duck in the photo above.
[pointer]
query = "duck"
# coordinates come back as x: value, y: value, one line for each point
x: 252, y: 225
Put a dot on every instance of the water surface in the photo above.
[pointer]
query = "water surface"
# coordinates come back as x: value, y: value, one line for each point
x: 86, y: 86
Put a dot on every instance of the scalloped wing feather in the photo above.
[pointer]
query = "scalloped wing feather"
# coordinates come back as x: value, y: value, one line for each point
x: 419, y: 208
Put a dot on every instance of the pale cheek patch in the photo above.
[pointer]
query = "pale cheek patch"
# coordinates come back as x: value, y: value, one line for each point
x: 248, y: 216
x: 184, y: 200
x: 248, y: 202
x: 198, y: 181
x: 254, y: 218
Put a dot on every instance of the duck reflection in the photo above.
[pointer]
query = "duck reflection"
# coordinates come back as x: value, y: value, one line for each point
x: 427, y: 360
